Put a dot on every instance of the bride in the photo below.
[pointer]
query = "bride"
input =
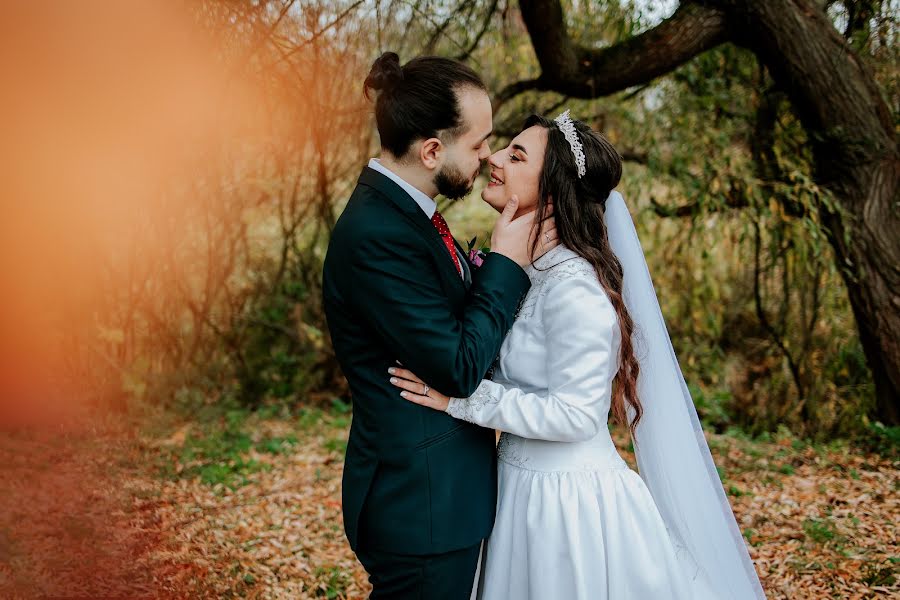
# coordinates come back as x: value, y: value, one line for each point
x: 573, y: 521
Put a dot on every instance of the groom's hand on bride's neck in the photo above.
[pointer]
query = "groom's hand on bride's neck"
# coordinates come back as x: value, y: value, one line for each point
x: 514, y: 237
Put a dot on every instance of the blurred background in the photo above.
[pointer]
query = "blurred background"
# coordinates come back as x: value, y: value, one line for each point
x: 170, y: 174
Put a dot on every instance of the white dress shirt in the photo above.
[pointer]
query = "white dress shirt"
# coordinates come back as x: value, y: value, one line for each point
x: 425, y: 202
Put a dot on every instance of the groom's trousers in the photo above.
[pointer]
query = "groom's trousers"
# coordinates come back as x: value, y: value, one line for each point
x: 447, y: 576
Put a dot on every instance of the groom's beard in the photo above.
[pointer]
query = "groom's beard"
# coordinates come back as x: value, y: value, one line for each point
x: 452, y: 184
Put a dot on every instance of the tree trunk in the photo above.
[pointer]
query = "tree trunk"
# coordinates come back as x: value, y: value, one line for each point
x: 856, y: 158
x: 834, y: 95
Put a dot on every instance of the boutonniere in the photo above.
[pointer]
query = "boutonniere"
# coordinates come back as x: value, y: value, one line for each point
x: 476, y: 255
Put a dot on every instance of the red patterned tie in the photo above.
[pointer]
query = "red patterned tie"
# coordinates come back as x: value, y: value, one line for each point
x: 444, y: 230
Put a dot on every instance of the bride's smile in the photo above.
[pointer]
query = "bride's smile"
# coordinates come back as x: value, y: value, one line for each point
x: 516, y: 170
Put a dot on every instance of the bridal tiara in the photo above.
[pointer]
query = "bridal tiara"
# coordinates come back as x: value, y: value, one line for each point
x: 564, y: 121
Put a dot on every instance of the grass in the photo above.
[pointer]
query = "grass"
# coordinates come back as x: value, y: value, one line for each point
x: 333, y: 584
x: 820, y: 531
x: 277, y: 445
x: 218, y: 456
x: 225, y: 447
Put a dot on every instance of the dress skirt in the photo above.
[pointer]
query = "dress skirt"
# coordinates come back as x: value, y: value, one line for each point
x: 575, y: 522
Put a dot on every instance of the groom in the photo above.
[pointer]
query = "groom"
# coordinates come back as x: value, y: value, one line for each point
x: 419, y: 487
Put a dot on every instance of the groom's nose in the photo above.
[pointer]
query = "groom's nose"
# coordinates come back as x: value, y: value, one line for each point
x: 485, y: 151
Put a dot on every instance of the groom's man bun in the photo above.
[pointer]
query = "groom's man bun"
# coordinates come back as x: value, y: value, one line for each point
x: 385, y: 73
x: 418, y: 100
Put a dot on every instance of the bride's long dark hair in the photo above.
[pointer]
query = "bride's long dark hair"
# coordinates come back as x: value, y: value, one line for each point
x: 578, y: 207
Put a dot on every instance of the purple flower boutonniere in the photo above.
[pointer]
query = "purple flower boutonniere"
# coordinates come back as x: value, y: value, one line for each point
x: 476, y: 255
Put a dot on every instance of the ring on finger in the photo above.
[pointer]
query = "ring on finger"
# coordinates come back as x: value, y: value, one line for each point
x: 425, y: 393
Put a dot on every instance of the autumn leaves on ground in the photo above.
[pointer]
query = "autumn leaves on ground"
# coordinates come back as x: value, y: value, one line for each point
x: 233, y: 505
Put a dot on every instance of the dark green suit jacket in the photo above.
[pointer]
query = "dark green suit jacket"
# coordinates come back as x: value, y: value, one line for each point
x: 416, y: 481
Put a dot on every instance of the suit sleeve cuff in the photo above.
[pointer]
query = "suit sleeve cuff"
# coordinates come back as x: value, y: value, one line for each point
x: 500, y: 266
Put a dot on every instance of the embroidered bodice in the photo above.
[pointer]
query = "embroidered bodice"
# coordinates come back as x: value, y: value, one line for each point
x: 553, y: 376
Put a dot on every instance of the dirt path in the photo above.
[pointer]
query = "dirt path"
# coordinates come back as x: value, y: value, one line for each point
x: 68, y: 527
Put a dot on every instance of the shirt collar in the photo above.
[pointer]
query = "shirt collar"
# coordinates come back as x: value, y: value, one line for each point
x: 425, y: 202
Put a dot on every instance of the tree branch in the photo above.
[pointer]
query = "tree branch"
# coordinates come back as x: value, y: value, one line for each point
x: 440, y: 29
x: 583, y: 72
x: 680, y: 210
x: 632, y: 155
x: 514, y: 89
x: 488, y: 16
x: 735, y: 196
x: 319, y: 33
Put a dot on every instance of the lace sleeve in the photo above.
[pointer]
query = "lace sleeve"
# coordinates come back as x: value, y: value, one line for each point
x: 468, y: 409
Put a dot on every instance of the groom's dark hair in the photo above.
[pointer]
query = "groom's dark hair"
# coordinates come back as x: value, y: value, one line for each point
x: 419, y: 100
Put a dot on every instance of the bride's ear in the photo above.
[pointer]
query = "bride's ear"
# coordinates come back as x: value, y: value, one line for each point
x: 430, y: 153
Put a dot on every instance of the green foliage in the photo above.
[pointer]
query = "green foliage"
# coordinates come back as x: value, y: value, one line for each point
x: 880, y: 438
x: 877, y: 575
x: 277, y: 445
x: 220, y: 450
x: 308, y: 418
x: 281, y: 352
x: 733, y: 490
x: 218, y: 456
x: 712, y: 406
x: 786, y: 469
x: 338, y: 445
x: 224, y: 446
x: 749, y: 534
x: 820, y: 531
x: 333, y: 582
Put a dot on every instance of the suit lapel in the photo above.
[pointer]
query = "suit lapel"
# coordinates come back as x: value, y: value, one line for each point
x: 464, y: 263
x: 413, y: 212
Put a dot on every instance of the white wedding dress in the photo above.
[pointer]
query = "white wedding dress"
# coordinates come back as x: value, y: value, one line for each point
x: 573, y: 520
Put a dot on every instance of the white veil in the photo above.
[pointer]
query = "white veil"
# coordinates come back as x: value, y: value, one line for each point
x: 672, y: 455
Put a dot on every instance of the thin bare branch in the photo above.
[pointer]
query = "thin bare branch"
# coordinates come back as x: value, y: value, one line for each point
x: 316, y: 35
x: 485, y: 24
